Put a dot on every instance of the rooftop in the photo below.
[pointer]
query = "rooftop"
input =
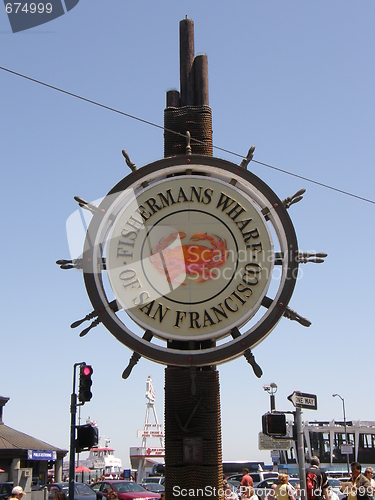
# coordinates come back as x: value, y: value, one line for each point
x: 12, y: 442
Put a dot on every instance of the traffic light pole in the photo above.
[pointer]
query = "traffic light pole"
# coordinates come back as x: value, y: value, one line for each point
x: 73, y: 411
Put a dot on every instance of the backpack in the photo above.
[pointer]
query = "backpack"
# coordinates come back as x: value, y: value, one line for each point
x: 312, y: 484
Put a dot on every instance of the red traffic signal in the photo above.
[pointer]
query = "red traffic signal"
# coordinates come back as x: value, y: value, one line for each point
x: 87, y: 370
x: 85, y: 383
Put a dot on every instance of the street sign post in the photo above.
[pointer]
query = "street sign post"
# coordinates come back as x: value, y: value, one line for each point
x: 309, y: 402
x: 303, y: 400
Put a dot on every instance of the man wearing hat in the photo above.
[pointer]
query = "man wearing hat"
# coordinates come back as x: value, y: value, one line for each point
x: 17, y: 492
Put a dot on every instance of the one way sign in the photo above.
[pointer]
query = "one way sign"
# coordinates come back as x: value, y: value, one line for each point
x: 303, y: 400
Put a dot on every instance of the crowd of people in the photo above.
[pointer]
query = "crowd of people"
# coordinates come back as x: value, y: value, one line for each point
x: 359, y: 487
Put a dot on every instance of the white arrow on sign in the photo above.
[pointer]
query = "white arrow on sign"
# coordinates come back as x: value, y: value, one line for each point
x: 303, y: 400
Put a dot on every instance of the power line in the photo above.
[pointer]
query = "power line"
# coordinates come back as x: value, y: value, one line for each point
x: 327, y: 186
x: 133, y: 117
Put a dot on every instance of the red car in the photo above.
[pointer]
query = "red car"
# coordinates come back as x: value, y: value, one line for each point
x: 126, y: 490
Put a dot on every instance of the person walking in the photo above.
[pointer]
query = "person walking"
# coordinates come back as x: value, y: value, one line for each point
x: 297, y: 492
x: 252, y: 494
x: 359, y: 487
x: 332, y: 494
x: 369, y: 472
x: 59, y: 495
x: 284, y: 491
x: 228, y: 492
x: 271, y: 495
x: 17, y: 493
x: 316, y: 481
x: 246, y: 483
x: 111, y: 495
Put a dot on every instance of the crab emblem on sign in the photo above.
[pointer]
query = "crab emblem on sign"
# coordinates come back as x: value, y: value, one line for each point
x: 197, y: 261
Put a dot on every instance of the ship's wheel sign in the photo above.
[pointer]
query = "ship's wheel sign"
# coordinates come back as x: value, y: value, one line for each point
x: 189, y: 258
x: 190, y: 249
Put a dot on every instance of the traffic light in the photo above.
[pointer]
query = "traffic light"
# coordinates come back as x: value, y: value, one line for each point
x: 87, y: 437
x: 85, y: 383
x: 274, y: 424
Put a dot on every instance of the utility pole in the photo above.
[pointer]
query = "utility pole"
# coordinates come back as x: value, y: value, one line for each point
x: 346, y: 432
x: 73, y: 411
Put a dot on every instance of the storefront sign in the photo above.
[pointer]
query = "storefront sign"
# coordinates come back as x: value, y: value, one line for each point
x: 41, y: 455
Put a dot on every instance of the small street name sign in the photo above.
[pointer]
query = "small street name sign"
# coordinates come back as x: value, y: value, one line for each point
x: 303, y: 400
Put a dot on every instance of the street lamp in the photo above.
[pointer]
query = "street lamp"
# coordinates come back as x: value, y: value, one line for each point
x: 346, y: 434
x: 271, y: 389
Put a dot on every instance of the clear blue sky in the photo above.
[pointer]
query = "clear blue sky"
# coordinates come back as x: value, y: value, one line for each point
x: 294, y: 78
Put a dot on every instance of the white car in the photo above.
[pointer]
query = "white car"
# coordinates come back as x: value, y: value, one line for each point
x: 154, y: 479
x: 257, y: 477
x: 263, y: 488
x: 334, y: 486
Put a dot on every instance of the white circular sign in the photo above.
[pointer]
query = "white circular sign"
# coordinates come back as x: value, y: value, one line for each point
x: 190, y: 258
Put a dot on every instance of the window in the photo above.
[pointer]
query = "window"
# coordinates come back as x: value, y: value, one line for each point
x: 320, y: 445
x: 81, y: 489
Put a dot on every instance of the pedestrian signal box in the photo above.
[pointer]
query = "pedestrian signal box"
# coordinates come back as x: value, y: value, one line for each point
x: 87, y: 437
x: 274, y: 424
x: 85, y: 383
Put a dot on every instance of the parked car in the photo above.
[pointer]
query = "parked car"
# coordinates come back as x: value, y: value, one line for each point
x: 158, y: 470
x: 153, y: 479
x: 293, y: 481
x: 36, y: 484
x: 257, y: 477
x: 334, y: 485
x: 81, y: 491
x: 263, y: 488
x: 337, y: 474
x: 5, y: 489
x: 154, y: 487
x: 234, y: 487
x: 126, y: 490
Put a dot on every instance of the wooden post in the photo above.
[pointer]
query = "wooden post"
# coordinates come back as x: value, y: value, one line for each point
x: 173, y: 99
x: 186, y: 62
x: 192, y: 424
x: 201, y: 80
x: 192, y: 421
